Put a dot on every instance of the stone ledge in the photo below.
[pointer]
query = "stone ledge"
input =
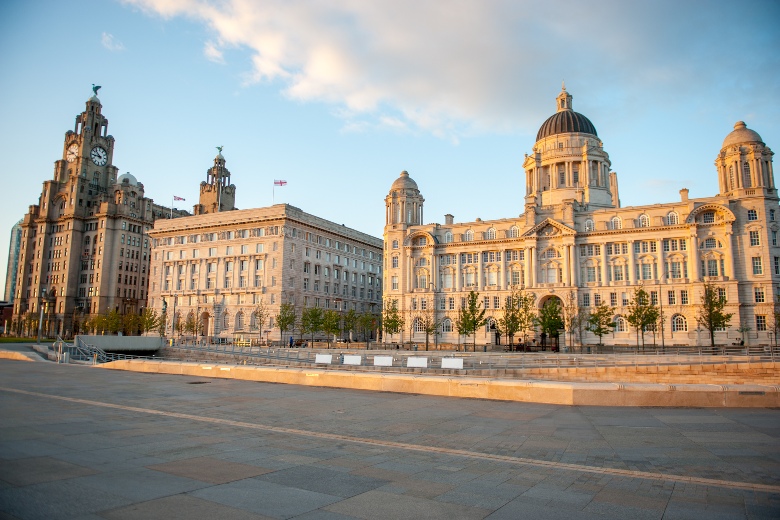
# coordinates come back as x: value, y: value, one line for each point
x: 534, y: 391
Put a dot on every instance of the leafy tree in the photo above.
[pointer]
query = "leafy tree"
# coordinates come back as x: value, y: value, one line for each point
x: 191, y: 324
x: 350, y: 321
x: 331, y: 324
x: 509, y: 322
x: 392, y: 321
x: 366, y: 323
x: 471, y: 317
x: 600, y: 320
x: 426, y: 322
x: 113, y: 321
x: 150, y: 320
x: 526, y: 314
x: 311, y: 321
x: 641, y: 313
x: 549, y: 319
x: 131, y: 323
x: 286, y: 319
x: 710, y: 314
x: 162, y: 324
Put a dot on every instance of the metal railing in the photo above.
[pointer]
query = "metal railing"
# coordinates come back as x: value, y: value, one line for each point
x: 677, y: 356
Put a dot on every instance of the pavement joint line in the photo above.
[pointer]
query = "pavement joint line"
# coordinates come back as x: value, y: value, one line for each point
x: 646, y: 475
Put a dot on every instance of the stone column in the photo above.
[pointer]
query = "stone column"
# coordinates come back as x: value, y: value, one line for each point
x: 693, y: 255
x: 502, y: 279
x: 573, y: 266
x: 604, y: 277
x: 480, y: 273
x: 458, y: 273
x: 567, y: 268
x: 631, y: 264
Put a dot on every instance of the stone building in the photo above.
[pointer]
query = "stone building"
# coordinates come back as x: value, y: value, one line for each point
x: 215, y: 269
x: 12, y: 268
x: 575, y: 242
x: 84, y: 246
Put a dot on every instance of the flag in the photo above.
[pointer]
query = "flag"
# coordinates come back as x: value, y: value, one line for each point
x: 177, y: 198
x: 280, y: 183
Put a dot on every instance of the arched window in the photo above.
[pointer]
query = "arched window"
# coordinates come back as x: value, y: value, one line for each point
x: 551, y: 253
x: 490, y: 325
x: 86, y: 240
x: 468, y: 236
x: 395, y: 244
x: 644, y: 221
x: 225, y: 321
x: 421, y: 241
x: 708, y: 217
x: 448, y: 237
x: 589, y: 225
x: 514, y: 232
x: 446, y: 325
x: 422, y: 279
x: 679, y: 323
x: 746, y: 176
x: 253, y: 321
x: 710, y: 243
x: 621, y: 325
x: 672, y: 218
x: 490, y: 234
x: 419, y: 326
x: 616, y: 223
x: 240, y: 321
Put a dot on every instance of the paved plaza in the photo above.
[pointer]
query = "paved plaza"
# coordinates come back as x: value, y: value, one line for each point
x: 83, y: 442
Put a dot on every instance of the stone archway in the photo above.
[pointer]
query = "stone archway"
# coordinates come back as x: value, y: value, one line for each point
x: 205, y: 324
x: 550, y: 336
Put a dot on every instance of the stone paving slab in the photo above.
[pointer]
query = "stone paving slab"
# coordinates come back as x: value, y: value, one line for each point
x: 80, y: 442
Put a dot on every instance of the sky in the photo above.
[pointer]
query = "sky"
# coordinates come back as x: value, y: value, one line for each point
x: 338, y: 97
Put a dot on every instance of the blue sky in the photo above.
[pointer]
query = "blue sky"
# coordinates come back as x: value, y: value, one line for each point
x: 337, y: 97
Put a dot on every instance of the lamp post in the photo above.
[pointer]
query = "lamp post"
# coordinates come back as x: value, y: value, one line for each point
x: 40, y: 319
x: 435, y: 323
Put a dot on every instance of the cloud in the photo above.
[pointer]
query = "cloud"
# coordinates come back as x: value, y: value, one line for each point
x: 213, y: 53
x: 451, y: 68
x: 109, y: 42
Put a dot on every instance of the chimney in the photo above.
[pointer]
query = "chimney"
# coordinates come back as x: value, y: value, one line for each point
x: 449, y: 219
x: 684, y: 194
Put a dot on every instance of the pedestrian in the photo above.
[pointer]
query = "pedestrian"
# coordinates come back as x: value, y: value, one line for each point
x: 291, y: 341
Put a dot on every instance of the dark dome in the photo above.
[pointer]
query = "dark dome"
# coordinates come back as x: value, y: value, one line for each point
x: 564, y: 122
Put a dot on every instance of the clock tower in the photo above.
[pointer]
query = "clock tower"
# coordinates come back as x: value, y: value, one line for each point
x: 84, y: 248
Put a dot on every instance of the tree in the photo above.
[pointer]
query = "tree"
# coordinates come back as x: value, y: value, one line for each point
x: 366, y: 322
x: 600, y: 320
x: 424, y: 320
x: 526, y: 315
x: 641, y: 313
x: 150, y: 320
x: 471, y: 317
x: 392, y: 321
x: 131, y: 323
x: 113, y: 321
x: 311, y: 321
x: 261, y: 313
x: 331, y: 324
x: 550, y: 320
x: 509, y: 321
x: 574, y: 317
x: 350, y: 321
x: 710, y: 314
x: 286, y: 319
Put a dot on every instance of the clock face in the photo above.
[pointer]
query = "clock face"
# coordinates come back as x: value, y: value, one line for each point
x: 72, y: 152
x: 99, y: 156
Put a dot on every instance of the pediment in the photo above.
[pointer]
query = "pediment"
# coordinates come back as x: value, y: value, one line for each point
x: 549, y: 228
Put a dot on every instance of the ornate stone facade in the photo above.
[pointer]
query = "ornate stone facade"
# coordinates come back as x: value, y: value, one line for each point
x: 215, y: 269
x: 575, y: 242
x: 84, y: 248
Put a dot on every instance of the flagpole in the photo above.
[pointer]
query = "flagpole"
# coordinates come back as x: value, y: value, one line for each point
x: 172, y: 206
x: 273, y: 194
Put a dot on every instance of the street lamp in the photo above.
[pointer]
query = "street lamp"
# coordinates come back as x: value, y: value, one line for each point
x: 40, y: 319
x: 435, y: 323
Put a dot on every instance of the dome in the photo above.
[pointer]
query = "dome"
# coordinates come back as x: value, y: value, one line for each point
x: 564, y: 122
x: 94, y: 99
x: 131, y: 180
x: 404, y: 182
x: 741, y: 134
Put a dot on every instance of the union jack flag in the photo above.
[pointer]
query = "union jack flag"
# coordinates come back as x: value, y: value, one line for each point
x: 280, y: 183
x: 177, y: 198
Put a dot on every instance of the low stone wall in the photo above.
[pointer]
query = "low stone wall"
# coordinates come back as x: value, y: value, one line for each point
x: 549, y: 392
x: 124, y: 343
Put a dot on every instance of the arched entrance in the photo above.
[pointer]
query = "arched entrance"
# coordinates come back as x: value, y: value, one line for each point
x: 550, y: 321
x: 205, y: 324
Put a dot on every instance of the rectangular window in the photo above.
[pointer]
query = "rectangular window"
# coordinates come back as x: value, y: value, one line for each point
x: 212, y: 251
x: 777, y: 265
x: 591, y: 274
x: 596, y: 300
x: 394, y: 283
x: 613, y: 299
x: 683, y: 297
x: 712, y: 268
x: 672, y: 298
x: 754, y: 239
x: 759, y: 294
x: 774, y: 238
x: 654, y: 297
x: 757, y: 267
x: 760, y: 323
x: 496, y: 302
x: 647, y: 271
x: 586, y: 300
x: 617, y: 273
